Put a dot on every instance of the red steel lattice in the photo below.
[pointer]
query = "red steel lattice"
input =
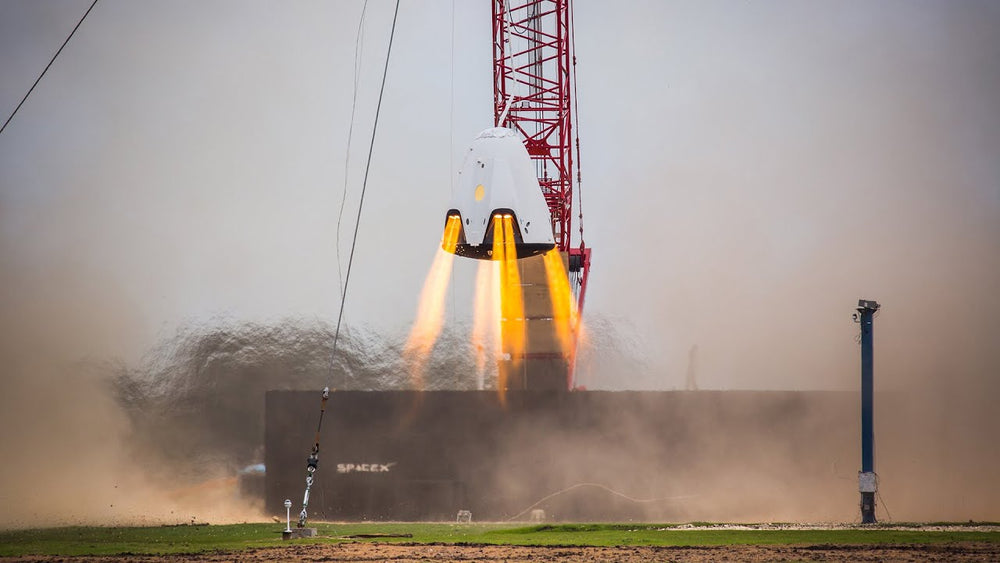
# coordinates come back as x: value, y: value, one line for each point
x: 532, y: 95
x: 531, y: 62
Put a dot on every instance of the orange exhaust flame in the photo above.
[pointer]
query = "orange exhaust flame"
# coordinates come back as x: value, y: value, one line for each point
x: 498, y: 258
x: 486, y: 318
x: 449, y: 242
x: 564, y: 314
x: 511, y: 299
x: 430, y: 311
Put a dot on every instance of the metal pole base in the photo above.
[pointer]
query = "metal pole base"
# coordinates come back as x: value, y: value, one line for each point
x: 868, y: 508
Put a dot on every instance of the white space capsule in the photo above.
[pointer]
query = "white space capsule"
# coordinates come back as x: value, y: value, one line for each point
x: 497, y: 177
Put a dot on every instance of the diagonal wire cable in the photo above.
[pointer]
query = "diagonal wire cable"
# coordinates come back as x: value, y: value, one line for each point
x: 451, y: 145
x: 364, y: 186
x: 313, y: 457
x: 358, y: 54
x: 39, y: 79
x: 604, y: 488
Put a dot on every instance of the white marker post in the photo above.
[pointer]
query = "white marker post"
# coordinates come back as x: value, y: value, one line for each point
x: 288, y: 516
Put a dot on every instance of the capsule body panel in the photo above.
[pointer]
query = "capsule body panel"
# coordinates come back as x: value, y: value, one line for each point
x: 497, y: 177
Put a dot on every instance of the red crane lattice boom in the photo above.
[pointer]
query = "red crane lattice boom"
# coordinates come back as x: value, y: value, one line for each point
x: 532, y: 95
x: 531, y: 74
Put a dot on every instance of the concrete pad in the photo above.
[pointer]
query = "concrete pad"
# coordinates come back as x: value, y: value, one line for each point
x: 298, y: 533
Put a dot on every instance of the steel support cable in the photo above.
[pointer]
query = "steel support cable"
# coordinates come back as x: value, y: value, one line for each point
x: 39, y: 79
x: 358, y: 54
x: 312, y: 462
x: 364, y: 184
x: 451, y: 146
x: 604, y: 488
x: 878, y: 492
x: 881, y: 500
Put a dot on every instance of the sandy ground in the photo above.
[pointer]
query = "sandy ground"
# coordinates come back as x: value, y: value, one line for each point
x: 958, y: 552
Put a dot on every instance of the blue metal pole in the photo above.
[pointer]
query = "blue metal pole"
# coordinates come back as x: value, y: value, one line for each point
x: 867, y: 480
x: 867, y: 385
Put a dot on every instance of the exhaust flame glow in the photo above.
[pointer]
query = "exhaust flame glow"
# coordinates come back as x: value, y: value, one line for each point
x: 511, y: 299
x: 430, y: 312
x: 449, y: 242
x: 486, y: 319
x: 564, y: 313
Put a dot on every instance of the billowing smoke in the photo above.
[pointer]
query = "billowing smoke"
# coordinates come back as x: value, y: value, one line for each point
x: 200, y: 395
x: 164, y: 440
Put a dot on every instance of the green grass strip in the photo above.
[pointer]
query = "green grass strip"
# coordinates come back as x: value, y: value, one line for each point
x: 78, y: 540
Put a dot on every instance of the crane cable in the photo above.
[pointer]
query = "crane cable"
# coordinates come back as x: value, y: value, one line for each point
x: 358, y: 54
x: 39, y: 79
x: 313, y: 460
x: 451, y: 146
x: 364, y: 183
x: 604, y: 488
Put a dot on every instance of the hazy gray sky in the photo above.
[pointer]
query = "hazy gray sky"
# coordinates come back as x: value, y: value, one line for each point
x: 750, y: 170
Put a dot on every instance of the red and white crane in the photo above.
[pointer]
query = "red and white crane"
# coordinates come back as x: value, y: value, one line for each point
x: 533, y: 91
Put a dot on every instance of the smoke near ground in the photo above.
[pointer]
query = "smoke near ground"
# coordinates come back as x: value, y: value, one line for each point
x: 201, y: 394
x: 164, y: 440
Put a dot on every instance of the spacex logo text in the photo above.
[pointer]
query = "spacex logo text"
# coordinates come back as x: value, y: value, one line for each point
x: 364, y: 467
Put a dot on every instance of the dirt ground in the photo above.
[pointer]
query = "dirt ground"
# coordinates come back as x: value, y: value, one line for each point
x: 952, y: 552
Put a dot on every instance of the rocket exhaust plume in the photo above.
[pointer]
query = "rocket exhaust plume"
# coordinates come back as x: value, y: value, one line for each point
x: 564, y: 313
x: 430, y: 312
x: 511, y: 299
x: 486, y: 319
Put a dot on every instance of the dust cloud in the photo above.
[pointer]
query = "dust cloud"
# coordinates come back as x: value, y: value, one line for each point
x: 64, y: 436
x: 751, y: 456
x: 936, y: 449
x: 777, y: 186
x: 164, y: 440
x: 170, y: 439
x: 775, y: 455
